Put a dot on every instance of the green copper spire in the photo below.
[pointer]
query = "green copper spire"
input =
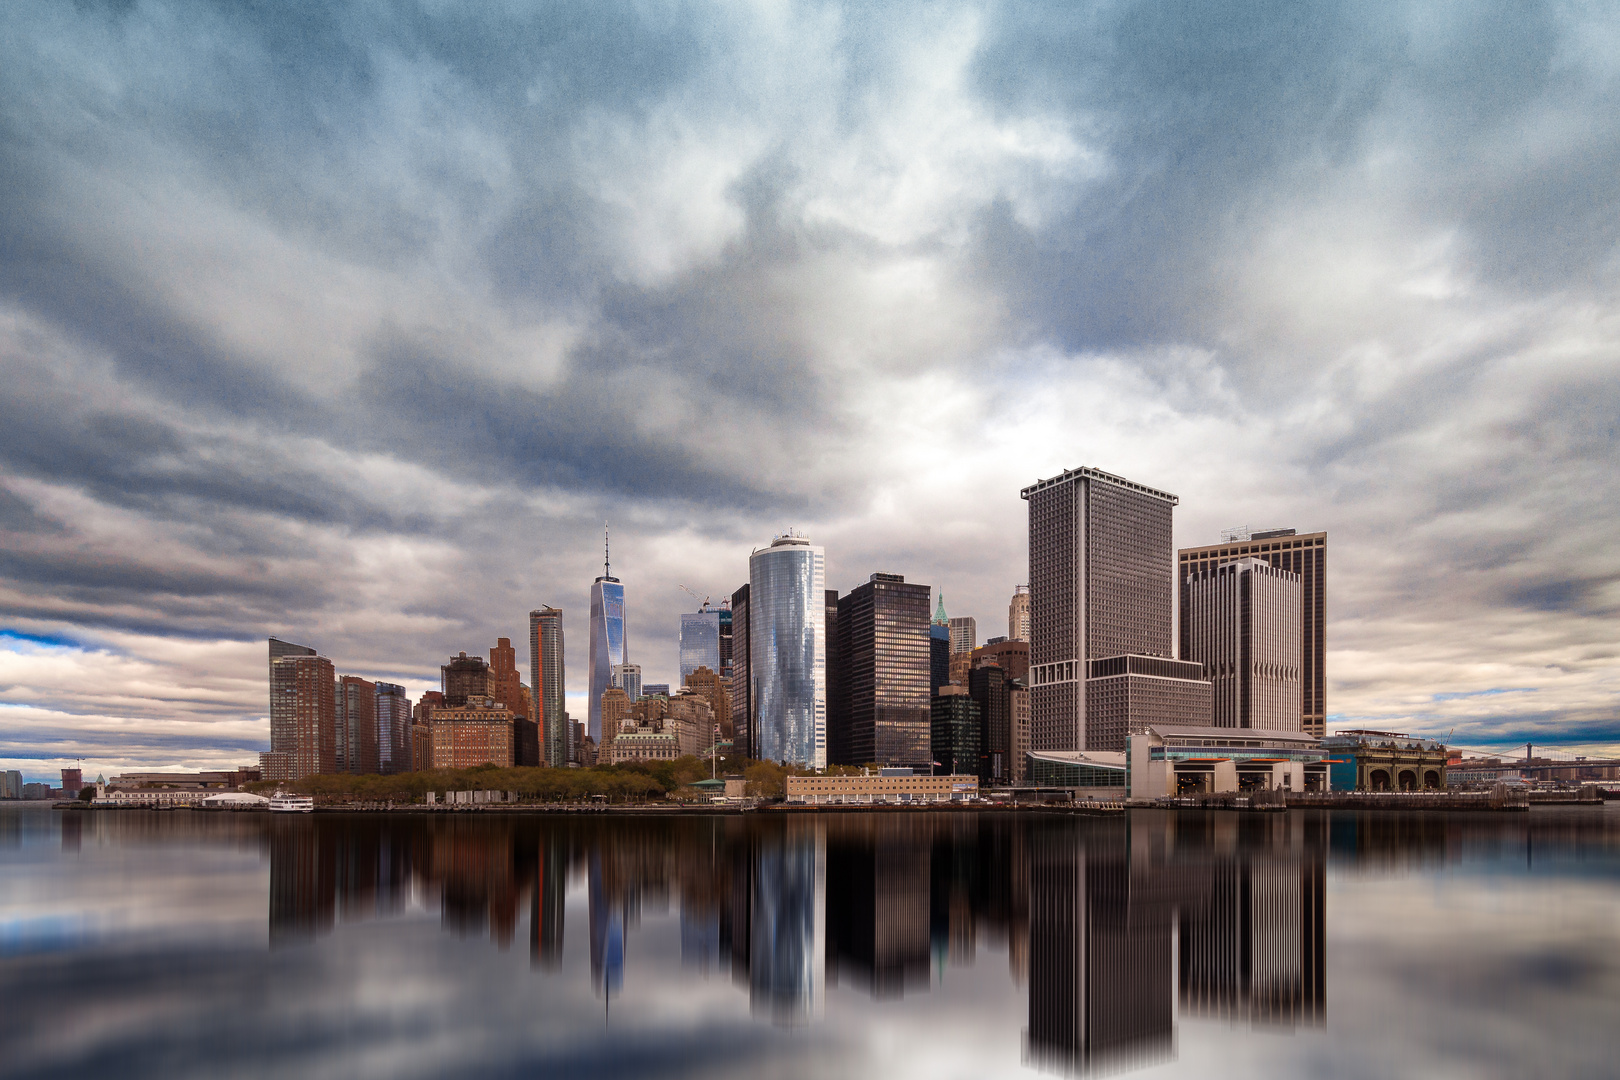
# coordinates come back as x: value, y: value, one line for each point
x: 940, y: 618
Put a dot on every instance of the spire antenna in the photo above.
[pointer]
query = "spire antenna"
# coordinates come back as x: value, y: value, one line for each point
x: 607, y: 563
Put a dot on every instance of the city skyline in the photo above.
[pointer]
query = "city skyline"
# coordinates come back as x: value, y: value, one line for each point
x: 353, y: 329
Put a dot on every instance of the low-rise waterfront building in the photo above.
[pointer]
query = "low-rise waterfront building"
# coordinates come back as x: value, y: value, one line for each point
x: 228, y: 780
x: 1185, y: 760
x: 1364, y: 760
x: 891, y: 786
x: 1089, y: 772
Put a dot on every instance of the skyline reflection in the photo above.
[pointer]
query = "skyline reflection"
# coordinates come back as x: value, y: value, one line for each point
x: 1109, y: 925
x: 179, y: 944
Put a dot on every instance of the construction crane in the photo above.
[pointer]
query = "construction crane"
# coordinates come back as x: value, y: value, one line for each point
x: 703, y: 601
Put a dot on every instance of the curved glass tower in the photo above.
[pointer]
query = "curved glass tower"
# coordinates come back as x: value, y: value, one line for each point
x: 787, y: 635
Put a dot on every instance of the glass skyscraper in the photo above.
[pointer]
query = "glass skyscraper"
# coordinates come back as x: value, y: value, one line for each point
x: 788, y: 651
x: 608, y: 648
x: 700, y: 642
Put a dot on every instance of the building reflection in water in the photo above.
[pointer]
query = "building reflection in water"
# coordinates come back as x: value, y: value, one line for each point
x: 1109, y: 923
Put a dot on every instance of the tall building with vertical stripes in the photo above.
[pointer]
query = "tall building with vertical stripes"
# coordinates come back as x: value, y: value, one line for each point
x: 303, y: 713
x: 546, y: 677
x: 1304, y: 554
x: 787, y: 606
x: 1101, y: 588
x: 1241, y: 622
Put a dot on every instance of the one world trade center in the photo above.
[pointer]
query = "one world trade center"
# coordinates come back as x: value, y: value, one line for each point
x: 607, y: 637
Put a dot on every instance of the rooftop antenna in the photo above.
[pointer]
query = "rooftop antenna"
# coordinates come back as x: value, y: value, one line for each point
x: 607, y: 563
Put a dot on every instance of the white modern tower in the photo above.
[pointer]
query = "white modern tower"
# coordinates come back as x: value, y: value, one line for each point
x: 787, y: 650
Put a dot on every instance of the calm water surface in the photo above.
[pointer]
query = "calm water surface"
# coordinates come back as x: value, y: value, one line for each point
x: 140, y: 944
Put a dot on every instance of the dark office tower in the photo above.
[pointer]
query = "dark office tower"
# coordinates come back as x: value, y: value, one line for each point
x: 883, y: 675
x: 526, y: 742
x: 991, y: 690
x: 462, y: 678
x: 939, y: 648
x: 356, y: 728
x: 393, y: 728
x: 1305, y: 555
x: 742, y: 683
x: 1100, y: 585
x: 954, y: 735
x: 1241, y: 622
x: 939, y: 657
x: 725, y: 640
x: 546, y: 679
x: 834, y: 675
x: 303, y: 713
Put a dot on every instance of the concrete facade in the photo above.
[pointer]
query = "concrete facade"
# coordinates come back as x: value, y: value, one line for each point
x: 1241, y: 621
x: 1304, y: 554
x: 1364, y: 760
x: 1101, y: 585
x: 1200, y: 760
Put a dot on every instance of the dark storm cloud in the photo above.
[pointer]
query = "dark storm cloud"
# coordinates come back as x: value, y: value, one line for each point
x: 308, y: 313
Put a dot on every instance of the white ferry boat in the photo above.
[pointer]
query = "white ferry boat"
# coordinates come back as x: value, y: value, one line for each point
x: 292, y: 804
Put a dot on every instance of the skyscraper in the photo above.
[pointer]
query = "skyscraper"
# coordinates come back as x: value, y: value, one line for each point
x: 608, y: 644
x: 991, y: 690
x: 883, y: 685
x: 393, y: 728
x: 356, y: 725
x: 627, y: 677
x: 303, y: 712
x: 742, y: 683
x: 724, y: 670
x: 1100, y: 571
x: 939, y: 648
x: 464, y: 677
x: 505, y: 682
x: 954, y: 731
x: 964, y: 632
x: 830, y: 612
x: 546, y: 679
x: 700, y: 641
x: 1241, y: 622
x: 788, y: 650
x: 1018, y: 615
x: 1304, y: 554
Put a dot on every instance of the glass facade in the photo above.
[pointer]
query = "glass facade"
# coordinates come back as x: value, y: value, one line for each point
x: 547, y: 672
x: 788, y: 651
x: 607, y: 644
x: 700, y: 642
x: 882, y: 687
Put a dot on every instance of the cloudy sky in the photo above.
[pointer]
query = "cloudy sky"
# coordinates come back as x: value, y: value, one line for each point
x: 353, y: 324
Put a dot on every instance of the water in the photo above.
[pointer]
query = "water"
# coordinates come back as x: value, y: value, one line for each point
x: 138, y: 944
